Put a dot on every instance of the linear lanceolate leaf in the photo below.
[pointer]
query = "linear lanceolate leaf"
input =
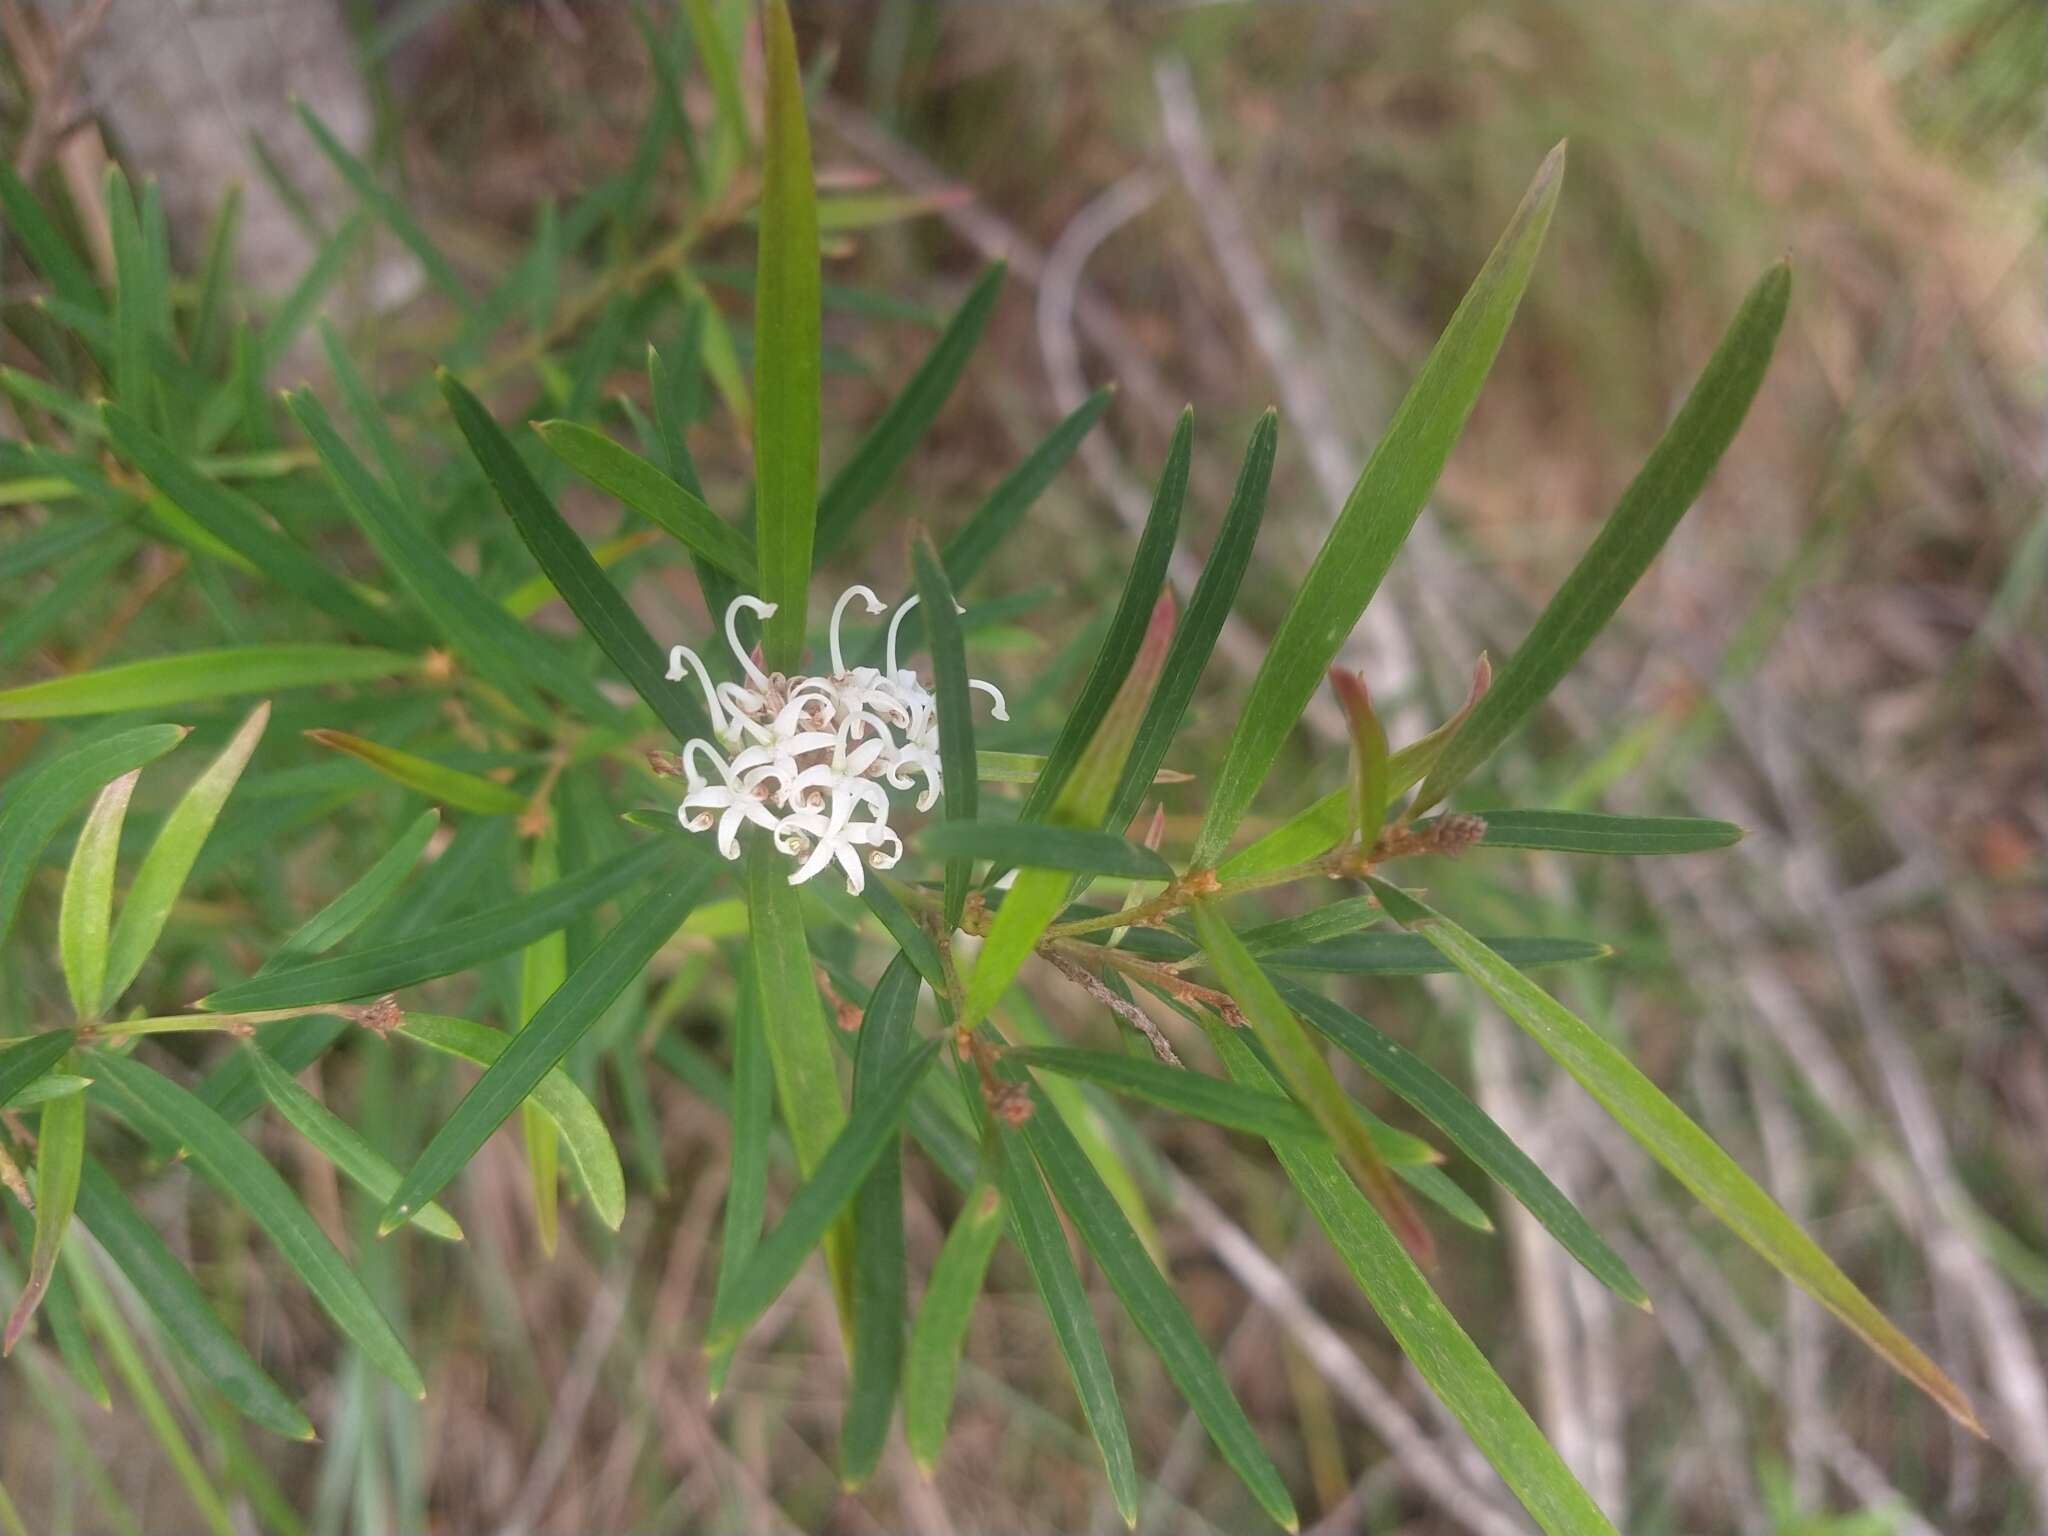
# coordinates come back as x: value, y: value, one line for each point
x: 60, y: 1158
x: 576, y: 1119
x: 941, y: 1327
x: 1129, y: 630
x: 869, y: 1129
x: 483, y: 633
x: 48, y: 251
x: 1470, y: 1129
x: 786, y: 356
x: 1015, y: 844
x: 752, y: 1113
x: 1397, y: 954
x: 375, y: 886
x: 161, y: 875
x: 955, y: 710
x: 437, y: 781
x: 329, y: 1135
x: 597, y: 604
x: 1669, y: 483
x: 391, y: 211
x: 240, y: 1172
x: 164, y: 681
x: 1152, y: 1305
x: 39, y: 802
x: 1591, y: 832
x: 1307, y: 1075
x: 681, y: 512
x: 606, y: 971
x: 543, y: 966
x: 1424, y: 1328
x: 85, y: 913
x: 1670, y: 1136
x: 23, y: 1062
x: 1376, y: 517
x: 887, y: 1035
x: 862, y: 478
x: 1037, y: 895
x: 443, y: 950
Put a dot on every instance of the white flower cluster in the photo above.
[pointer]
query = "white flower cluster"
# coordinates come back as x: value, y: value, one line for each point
x: 802, y: 757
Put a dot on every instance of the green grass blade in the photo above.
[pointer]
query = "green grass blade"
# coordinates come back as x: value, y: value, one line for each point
x: 1424, y: 1328
x: 60, y: 1158
x: 869, y: 1130
x: 752, y: 1112
x: 389, y: 210
x: 360, y: 1163
x: 375, y: 886
x: 23, y: 1062
x: 42, y: 799
x: 1208, y: 609
x: 195, y: 676
x: 623, y: 474
x: 1669, y: 483
x: 608, y: 970
x: 1376, y: 517
x: 161, y: 875
x: 86, y: 910
x: 786, y: 350
x: 958, y: 767
x: 584, y: 1137
x: 1127, y: 630
x: 1152, y: 1305
x: 1299, y: 1064
x: 1591, y: 832
x: 941, y: 1327
x: 1688, y: 1153
x: 437, y: 781
x: 1471, y: 1130
x: 240, y: 1172
x: 968, y: 550
x: 890, y: 442
x: 450, y: 947
x: 1014, y: 845
x: 887, y: 1034
x: 597, y: 604
x: 187, y: 1320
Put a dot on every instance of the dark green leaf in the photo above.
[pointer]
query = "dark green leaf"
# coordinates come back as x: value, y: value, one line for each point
x: 23, y: 1062
x: 1590, y: 832
x: 48, y: 251
x: 752, y: 1110
x: 60, y: 1156
x: 955, y: 711
x: 375, y: 886
x: 1398, y: 954
x: 632, y: 480
x: 390, y: 211
x: 941, y: 1327
x: 1013, y: 844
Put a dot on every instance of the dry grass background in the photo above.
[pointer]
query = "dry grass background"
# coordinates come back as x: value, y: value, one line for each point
x: 1842, y: 650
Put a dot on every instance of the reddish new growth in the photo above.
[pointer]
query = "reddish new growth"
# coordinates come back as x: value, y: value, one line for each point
x: 383, y: 1016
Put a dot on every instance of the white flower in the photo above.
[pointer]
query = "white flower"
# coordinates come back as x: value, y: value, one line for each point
x: 808, y: 758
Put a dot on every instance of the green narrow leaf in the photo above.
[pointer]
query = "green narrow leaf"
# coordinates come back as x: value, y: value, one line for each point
x: 1471, y: 1130
x: 1404, y: 954
x: 968, y: 550
x: 1152, y: 1305
x: 289, y: 318
x: 1016, y: 845
x: 1208, y: 610
x: 187, y: 1320
x: 24, y: 1062
x: 626, y: 476
x: 132, y: 306
x: 1301, y: 1067
x: 356, y: 1160
x: 716, y: 54
x: 617, y: 961
x: 450, y: 947
x: 375, y: 886
x: 597, y: 604
x: 1037, y: 895
x: 941, y: 1327
x: 1424, y: 1328
x: 1129, y: 629
x: 1669, y: 483
x: 786, y: 350
x: 240, y: 1172
x: 887, y: 1034
x: 48, y: 251
x: 954, y: 706
x: 437, y: 781
x: 543, y: 967
x: 218, y: 276
x: 575, y: 1118
x: 1591, y: 832
x: 890, y: 442
x: 813, y: 1209
x: 86, y: 910
x: 193, y: 676
x: 60, y: 1157
x: 752, y: 1112
x: 1669, y: 1135
x: 1370, y: 787
x: 1376, y: 517
x: 161, y: 875
x: 389, y: 210
x: 480, y: 630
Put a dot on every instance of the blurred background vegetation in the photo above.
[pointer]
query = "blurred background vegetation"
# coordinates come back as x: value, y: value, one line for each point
x: 1238, y: 205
